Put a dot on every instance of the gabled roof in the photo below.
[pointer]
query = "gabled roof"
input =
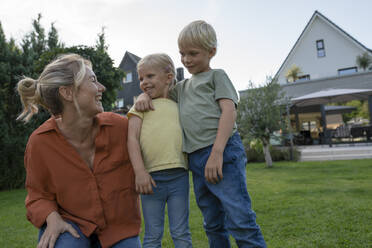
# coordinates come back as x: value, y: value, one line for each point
x: 134, y: 57
x: 317, y: 14
x: 128, y: 55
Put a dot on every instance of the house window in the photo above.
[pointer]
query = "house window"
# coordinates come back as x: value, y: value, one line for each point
x: 347, y: 71
x: 303, y: 78
x: 120, y: 103
x: 320, y: 48
x: 128, y: 77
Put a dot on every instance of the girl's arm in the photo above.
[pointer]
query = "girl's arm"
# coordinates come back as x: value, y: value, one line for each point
x: 213, y: 168
x: 144, y: 181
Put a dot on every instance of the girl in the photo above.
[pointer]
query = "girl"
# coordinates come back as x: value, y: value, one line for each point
x: 155, y: 150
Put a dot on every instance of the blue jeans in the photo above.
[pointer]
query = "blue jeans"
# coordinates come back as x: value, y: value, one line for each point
x: 226, y: 206
x: 172, y: 188
x: 66, y: 240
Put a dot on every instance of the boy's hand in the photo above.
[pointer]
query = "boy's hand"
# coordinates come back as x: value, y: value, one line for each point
x: 143, y: 103
x: 144, y: 183
x: 213, y: 168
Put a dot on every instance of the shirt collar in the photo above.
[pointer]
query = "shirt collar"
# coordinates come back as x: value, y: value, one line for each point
x: 51, y: 124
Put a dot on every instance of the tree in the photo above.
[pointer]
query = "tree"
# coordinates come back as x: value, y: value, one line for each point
x: 293, y: 73
x: 364, y: 61
x: 259, y: 114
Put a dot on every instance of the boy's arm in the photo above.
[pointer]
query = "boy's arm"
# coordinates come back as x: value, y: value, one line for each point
x: 144, y: 181
x: 213, y: 168
x: 143, y: 103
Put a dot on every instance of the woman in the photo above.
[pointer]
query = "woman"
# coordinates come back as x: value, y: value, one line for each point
x: 80, y: 182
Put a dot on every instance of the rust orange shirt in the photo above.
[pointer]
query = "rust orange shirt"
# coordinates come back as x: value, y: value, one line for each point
x: 101, y: 200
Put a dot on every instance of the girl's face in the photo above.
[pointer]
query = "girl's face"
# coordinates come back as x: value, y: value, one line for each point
x: 89, y: 94
x: 154, y: 81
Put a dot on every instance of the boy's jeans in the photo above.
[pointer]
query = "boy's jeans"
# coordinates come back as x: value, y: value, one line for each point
x: 226, y: 206
x: 66, y: 240
x: 172, y: 188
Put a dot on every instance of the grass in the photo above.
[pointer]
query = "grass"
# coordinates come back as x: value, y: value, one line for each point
x: 303, y: 204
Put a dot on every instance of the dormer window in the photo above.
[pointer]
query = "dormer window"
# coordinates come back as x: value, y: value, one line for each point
x: 128, y: 77
x: 320, y: 48
x: 303, y: 78
x: 347, y: 71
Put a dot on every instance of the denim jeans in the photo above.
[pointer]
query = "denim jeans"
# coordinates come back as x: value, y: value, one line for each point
x: 172, y: 188
x: 66, y: 240
x: 226, y: 206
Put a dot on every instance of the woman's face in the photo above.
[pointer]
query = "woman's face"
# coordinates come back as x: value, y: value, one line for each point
x: 89, y: 94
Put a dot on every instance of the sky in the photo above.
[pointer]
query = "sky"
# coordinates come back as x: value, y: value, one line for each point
x: 254, y: 36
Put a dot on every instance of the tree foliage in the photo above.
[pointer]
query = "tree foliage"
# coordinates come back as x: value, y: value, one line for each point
x: 260, y: 113
x: 364, y: 61
x: 29, y: 58
x: 293, y: 73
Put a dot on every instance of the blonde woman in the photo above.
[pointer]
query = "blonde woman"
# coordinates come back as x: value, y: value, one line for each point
x: 80, y: 183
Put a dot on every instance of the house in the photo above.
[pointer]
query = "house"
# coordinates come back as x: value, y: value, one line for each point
x: 323, y: 50
x: 130, y: 82
x: 325, y: 57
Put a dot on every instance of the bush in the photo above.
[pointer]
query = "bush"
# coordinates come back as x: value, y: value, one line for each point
x: 254, y: 150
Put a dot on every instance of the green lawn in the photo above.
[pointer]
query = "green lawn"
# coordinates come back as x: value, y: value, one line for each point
x: 305, y: 205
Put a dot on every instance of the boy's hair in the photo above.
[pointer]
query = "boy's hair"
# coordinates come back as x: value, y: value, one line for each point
x: 199, y: 34
x: 160, y: 61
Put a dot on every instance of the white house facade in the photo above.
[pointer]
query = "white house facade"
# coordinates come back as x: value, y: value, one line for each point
x: 323, y: 50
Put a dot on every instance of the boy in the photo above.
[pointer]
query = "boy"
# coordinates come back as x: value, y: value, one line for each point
x: 216, y: 155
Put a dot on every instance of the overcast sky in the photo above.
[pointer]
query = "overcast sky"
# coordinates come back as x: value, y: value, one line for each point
x: 254, y: 37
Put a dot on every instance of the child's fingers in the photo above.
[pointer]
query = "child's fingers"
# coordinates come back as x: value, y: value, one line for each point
x: 153, y: 182
x: 151, y: 106
x: 220, y: 174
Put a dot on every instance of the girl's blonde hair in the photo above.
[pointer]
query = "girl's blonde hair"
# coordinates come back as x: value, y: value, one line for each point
x: 67, y: 69
x: 159, y: 60
x: 199, y: 34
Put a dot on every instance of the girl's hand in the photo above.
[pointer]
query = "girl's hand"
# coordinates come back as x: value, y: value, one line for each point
x: 143, y: 103
x: 213, y: 168
x: 144, y: 183
x: 55, y: 226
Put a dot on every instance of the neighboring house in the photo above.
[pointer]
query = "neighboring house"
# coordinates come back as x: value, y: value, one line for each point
x: 322, y: 50
x: 130, y: 83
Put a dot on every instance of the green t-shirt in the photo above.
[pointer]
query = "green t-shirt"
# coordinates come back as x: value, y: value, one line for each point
x: 199, y: 110
x: 161, y: 136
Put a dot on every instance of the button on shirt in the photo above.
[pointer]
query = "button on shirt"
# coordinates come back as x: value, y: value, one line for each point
x: 100, y: 200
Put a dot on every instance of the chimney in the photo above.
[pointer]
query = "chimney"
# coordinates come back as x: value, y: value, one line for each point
x: 180, y: 75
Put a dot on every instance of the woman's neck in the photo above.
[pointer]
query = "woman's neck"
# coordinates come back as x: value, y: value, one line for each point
x: 76, y: 127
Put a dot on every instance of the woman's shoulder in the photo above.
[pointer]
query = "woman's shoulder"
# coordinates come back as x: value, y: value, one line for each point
x: 110, y: 118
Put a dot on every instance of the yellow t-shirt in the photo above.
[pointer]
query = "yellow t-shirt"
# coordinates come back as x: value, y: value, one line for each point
x: 161, y: 136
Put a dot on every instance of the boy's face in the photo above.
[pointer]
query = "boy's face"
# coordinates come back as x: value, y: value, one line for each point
x: 195, y: 59
x: 154, y: 81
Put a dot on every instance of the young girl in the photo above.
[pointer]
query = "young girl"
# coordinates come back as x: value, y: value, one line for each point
x: 155, y: 150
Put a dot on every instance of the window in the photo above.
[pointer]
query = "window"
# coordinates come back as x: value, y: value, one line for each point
x: 320, y: 48
x: 128, y: 77
x: 120, y: 103
x: 303, y: 78
x: 347, y: 71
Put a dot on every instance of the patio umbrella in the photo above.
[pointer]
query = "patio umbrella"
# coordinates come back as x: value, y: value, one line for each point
x: 331, y: 95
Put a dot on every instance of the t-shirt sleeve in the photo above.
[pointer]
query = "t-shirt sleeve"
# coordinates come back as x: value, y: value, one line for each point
x: 224, y: 87
x: 173, y: 92
x: 132, y: 112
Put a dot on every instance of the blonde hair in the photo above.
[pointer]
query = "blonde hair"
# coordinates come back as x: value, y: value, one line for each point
x: 159, y: 60
x: 67, y: 69
x: 199, y: 34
